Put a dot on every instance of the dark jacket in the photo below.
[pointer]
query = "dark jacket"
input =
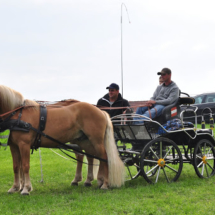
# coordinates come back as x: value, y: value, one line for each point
x: 120, y: 102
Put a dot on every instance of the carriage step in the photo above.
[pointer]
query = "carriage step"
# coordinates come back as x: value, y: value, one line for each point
x: 129, y: 152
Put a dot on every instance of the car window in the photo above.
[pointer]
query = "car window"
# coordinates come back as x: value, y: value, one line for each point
x: 198, y: 99
x: 210, y: 98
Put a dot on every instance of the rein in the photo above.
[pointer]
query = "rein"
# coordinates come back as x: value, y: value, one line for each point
x: 65, y: 145
x: 143, y: 104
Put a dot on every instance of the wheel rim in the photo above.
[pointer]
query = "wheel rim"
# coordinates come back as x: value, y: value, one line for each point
x: 204, y: 159
x: 161, y: 160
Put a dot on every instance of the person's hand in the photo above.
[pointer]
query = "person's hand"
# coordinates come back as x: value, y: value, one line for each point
x: 150, y: 103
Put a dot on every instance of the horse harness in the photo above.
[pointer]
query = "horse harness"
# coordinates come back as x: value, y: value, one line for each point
x: 19, y: 125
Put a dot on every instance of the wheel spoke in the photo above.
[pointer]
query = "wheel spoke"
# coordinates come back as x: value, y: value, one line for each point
x: 150, y: 161
x: 200, y: 164
x: 136, y: 166
x: 198, y: 156
x: 161, y: 149
x: 157, y: 175
x: 203, y: 166
x: 151, y: 169
x: 204, y: 149
x: 200, y: 151
x: 208, y: 152
x: 206, y: 170
x: 154, y: 153
x: 129, y: 172
x: 171, y: 168
x: 165, y: 175
x: 210, y: 166
x: 167, y: 152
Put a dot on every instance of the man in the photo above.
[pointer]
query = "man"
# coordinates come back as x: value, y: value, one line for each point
x: 113, y: 99
x: 165, y: 94
x: 160, y: 80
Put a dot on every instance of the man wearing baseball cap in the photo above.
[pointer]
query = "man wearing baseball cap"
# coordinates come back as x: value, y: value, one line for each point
x: 113, y: 99
x: 165, y: 94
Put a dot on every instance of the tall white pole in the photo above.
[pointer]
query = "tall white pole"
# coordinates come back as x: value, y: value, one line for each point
x: 122, y: 46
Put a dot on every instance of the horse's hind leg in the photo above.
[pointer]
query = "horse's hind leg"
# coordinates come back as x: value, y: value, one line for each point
x: 102, y: 177
x: 90, y: 177
x: 16, y: 168
x: 78, y: 174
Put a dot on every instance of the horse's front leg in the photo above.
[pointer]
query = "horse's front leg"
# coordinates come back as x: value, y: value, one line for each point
x: 22, y: 180
x: 16, y: 168
x: 25, y: 156
x: 78, y: 174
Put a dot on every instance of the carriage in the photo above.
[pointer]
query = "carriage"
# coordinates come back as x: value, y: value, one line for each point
x: 157, y: 149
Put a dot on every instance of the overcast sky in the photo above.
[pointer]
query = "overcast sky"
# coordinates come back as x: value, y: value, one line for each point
x: 59, y: 49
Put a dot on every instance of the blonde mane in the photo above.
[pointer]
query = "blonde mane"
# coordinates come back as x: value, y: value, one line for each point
x: 11, y: 99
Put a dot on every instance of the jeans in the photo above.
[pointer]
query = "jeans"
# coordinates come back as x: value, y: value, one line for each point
x: 144, y: 112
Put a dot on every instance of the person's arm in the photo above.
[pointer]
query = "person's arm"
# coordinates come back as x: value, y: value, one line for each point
x: 173, y: 96
x: 155, y: 94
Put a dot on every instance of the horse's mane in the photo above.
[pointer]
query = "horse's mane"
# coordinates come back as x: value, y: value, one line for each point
x: 11, y: 99
x: 65, y: 102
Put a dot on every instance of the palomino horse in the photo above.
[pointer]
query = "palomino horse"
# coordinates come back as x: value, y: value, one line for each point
x: 92, y: 163
x: 66, y: 124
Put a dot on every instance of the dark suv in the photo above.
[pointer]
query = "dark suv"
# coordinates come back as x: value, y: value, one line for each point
x: 201, y: 101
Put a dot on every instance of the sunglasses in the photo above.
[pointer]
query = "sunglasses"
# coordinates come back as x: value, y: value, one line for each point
x: 163, y: 74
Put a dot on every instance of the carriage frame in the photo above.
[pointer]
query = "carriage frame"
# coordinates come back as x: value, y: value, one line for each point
x: 150, y: 150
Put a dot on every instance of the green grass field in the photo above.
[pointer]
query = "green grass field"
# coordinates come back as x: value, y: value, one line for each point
x: 189, y: 195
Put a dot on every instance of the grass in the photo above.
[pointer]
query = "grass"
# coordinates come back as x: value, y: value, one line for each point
x: 189, y: 195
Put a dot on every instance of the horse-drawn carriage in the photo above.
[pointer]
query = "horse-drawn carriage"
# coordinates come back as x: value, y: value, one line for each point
x: 158, y: 151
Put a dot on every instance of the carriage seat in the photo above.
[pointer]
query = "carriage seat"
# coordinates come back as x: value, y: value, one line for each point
x: 173, y: 111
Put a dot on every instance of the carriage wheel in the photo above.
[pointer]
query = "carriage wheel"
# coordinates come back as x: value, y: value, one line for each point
x: 132, y: 165
x: 204, y: 159
x: 161, y: 160
x: 132, y: 169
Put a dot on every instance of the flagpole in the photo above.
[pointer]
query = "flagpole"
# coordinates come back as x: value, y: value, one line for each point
x: 122, y: 45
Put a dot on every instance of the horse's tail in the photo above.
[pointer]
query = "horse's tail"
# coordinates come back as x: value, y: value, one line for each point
x: 116, y: 168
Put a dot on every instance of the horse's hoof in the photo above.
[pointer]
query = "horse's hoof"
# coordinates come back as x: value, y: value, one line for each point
x: 25, y: 194
x: 13, y: 190
x: 74, y: 184
x: 87, y: 184
x: 104, y: 187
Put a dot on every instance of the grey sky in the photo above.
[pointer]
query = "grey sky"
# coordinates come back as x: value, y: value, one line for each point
x: 61, y: 49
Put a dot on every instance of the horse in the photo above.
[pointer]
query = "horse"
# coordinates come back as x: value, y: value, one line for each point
x: 65, y: 124
x: 92, y: 163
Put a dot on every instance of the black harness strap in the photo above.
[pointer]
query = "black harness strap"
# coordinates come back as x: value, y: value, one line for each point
x: 42, y: 125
